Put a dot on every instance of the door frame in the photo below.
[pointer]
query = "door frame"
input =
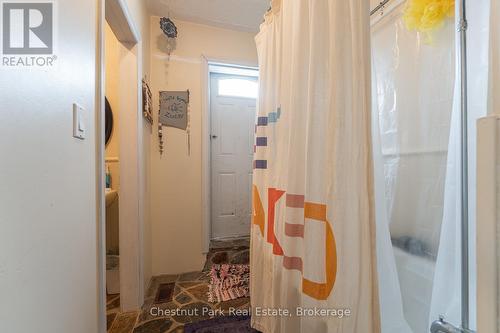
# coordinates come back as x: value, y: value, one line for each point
x: 206, y: 199
x: 488, y: 244
x: 117, y: 15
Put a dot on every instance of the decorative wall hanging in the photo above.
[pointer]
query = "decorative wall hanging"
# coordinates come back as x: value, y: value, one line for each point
x: 160, y: 137
x: 169, y: 43
x: 168, y: 27
x: 170, y: 31
x: 427, y: 15
x: 174, y: 112
x: 147, y: 102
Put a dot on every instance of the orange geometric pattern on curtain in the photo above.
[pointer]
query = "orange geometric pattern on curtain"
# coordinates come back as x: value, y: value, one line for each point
x: 316, y: 290
x: 258, y: 215
x: 312, y: 211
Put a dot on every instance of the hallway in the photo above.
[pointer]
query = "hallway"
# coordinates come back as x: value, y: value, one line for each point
x: 173, y: 301
x: 161, y: 157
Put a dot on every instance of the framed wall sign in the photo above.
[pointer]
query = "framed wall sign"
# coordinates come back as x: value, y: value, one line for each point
x: 174, y: 108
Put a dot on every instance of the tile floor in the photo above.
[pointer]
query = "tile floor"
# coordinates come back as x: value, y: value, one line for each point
x: 189, y: 299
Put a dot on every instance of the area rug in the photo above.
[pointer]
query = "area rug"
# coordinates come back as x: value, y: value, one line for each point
x: 228, y: 282
x: 230, y: 324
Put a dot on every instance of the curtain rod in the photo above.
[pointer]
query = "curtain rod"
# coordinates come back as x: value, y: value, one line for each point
x: 374, y: 10
x: 379, y: 7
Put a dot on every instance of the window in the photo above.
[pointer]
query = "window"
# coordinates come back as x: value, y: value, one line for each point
x: 238, y: 88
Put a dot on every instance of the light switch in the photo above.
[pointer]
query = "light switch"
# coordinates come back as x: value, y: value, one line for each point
x: 78, y: 121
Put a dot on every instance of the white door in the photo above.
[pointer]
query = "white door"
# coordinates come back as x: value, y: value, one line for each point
x: 232, y: 140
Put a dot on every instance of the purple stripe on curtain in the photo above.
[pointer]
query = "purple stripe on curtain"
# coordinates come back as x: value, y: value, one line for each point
x: 295, y: 201
x: 262, y: 121
x: 294, y: 230
x: 292, y: 263
x: 261, y: 141
x: 260, y: 164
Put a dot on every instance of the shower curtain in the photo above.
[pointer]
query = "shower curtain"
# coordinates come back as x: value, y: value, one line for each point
x: 313, y: 225
x: 483, y: 45
x: 413, y: 99
x: 417, y: 161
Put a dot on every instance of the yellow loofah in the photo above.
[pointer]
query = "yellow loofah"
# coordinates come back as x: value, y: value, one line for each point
x: 427, y: 15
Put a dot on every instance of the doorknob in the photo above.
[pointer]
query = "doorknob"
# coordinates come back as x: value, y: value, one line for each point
x: 214, y: 136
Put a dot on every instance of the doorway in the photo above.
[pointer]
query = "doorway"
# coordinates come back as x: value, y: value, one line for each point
x: 122, y: 278
x: 233, y: 98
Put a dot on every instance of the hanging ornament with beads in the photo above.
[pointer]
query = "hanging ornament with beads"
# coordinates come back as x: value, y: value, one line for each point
x: 170, y: 31
x: 169, y: 43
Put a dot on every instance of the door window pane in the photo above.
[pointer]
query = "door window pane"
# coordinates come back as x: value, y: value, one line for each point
x: 238, y: 88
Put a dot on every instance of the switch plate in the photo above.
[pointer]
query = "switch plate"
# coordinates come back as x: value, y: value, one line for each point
x: 78, y: 122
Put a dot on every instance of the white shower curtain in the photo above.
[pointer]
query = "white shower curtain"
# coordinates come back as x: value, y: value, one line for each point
x: 483, y: 76
x: 417, y: 114
x: 313, y: 230
x: 413, y: 103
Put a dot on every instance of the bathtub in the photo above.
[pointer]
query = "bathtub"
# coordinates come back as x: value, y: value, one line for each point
x: 415, y: 278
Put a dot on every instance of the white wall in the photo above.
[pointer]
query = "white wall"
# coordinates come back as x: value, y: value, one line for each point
x: 176, y: 206
x: 48, y: 244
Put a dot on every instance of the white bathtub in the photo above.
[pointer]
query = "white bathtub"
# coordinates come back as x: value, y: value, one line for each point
x: 415, y: 278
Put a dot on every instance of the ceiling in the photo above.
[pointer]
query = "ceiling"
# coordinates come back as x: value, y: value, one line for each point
x: 243, y: 15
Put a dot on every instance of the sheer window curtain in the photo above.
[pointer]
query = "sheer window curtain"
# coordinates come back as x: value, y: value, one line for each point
x: 313, y: 226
